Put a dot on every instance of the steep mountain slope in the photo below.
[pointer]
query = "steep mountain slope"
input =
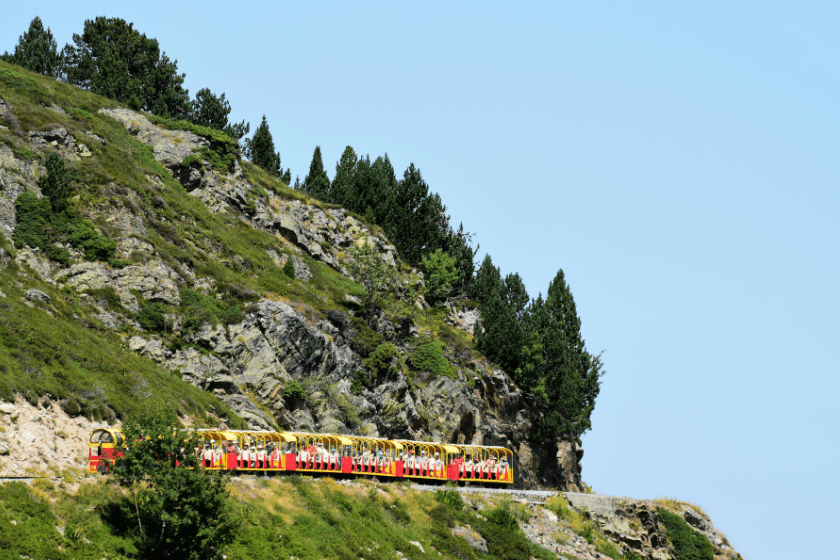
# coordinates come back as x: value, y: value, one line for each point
x: 191, y: 294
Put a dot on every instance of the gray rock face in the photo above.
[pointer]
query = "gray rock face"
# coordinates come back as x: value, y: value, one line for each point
x: 155, y: 280
x: 33, y: 259
x: 321, y: 234
x: 170, y: 147
x: 473, y: 538
x: 61, y: 140
x: 16, y: 176
x: 275, y: 344
x: 302, y: 271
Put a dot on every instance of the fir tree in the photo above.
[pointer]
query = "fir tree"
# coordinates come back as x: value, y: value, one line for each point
x: 260, y: 150
x: 342, y: 184
x: 37, y: 51
x: 570, y: 375
x: 212, y: 111
x: 503, y: 315
x: 287, y: 176
x: 316, y: 183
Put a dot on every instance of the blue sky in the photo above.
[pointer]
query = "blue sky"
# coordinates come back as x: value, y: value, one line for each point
x: 679, y: 163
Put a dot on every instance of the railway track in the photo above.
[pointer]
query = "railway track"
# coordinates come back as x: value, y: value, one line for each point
x: 532, y: 496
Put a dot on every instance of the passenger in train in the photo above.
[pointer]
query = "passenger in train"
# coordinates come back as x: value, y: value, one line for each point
x: 217, y: 455
x: 503, y: 466
x: 311, y: 451
x: 492, y: 467
x: 334, y: 462
x: 438, y: 464
x: 424, y: 463
x: 274, y: 456
x: 261, y: 457
x: 207, y: 457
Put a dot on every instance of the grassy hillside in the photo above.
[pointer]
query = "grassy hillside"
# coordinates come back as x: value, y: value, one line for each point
x: 69, y: 354
x: 281, y: 518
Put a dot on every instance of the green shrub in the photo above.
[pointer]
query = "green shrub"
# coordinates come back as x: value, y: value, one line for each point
x: 450, y: 498
x: 57, y: 184
x: 502, y: 517
x: 293, y: 390
x: 32, y: 216
x: 688, y: 543
x: 289, y: 268
x: 441, y: 275
x: 587, y: 532
x: 151, y: 317
x: 83, y: 236
x: 385, y: 361
x: 428, y: 356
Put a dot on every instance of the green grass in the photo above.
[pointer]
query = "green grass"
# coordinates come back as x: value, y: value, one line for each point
x: 59, y: 350
x: 281, y: 517
x: 688, y: 543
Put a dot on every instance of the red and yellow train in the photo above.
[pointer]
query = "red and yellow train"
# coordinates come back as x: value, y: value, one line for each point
x: 276, y: 452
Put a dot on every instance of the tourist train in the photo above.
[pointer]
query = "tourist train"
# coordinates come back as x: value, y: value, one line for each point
x: 240, y: 451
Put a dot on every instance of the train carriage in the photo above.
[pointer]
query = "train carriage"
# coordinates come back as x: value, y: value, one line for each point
x: 485, y: 464
x: 102, y: 449
x: 374, y: 456
x: 263, y: 451
x: 429, y: 460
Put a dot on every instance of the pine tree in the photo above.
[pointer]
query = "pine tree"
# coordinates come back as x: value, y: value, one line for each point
x: 316, y: 183
x: 287, y: 176
x: 37, y: 51
x: 297, y: 185
x: 209, y: 110
x: 503, y: 321
x: 113, y: 59
x: 570, y: 376
x: 260, y: 150
x: 342, y: 184
x: 412, y: 224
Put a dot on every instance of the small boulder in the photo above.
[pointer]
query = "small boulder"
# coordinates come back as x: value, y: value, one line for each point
x: 37, y: 295
x: 472, y: 537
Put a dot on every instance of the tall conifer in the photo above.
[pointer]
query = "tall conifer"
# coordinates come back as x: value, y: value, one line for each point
x: 342, y: 183
x: 317, y: 183
x: 260, y: 150
x: 37, y: 51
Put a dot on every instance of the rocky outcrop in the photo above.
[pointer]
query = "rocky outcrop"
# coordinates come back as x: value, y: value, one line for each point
x: 155, y: 280
x: 61, y: 140
x: 169, y: 147
x: 17, y: 175
x: 320, y: 233
x: 33, y: 438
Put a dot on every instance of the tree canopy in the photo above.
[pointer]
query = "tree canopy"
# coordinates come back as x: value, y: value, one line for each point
x: 260, y: 150
x: 37, y: 51
x: 316, y: 181
x: 113, y: 59
x: 212, y: 111
x: 176, y: 509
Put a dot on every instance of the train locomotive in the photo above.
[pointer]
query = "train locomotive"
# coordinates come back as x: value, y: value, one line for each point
x: 242, y: 451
